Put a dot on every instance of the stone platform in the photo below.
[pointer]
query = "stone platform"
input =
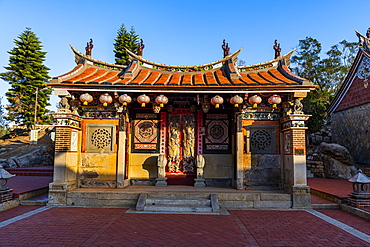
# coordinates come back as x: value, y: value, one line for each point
x: 229, y: 198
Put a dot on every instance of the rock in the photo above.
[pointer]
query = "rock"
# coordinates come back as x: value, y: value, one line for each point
x: 337, y: 152
x: 38, y: 157
x: 337, y: 161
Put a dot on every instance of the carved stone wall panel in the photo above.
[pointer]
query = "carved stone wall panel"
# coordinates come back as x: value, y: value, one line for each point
x: 261, y: 139
x: 145, y: 133
x: 100, y: 138
x: 217, y: 136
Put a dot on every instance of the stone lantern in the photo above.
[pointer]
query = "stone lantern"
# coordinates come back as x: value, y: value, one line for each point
x: 360, y: 197
x: 5, y: 193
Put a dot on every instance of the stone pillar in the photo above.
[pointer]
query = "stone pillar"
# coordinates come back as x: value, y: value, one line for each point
x: 239, y: 154
x: 121, y: 160
x: 66, y: 160
x: 294, y: 151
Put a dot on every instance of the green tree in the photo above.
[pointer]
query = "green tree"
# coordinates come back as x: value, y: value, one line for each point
x: 26, y: 74
x: 128, y: 39
x: 327, y: 73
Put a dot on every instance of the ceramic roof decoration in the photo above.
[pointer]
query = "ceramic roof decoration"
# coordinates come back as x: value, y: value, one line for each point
x: 222, y: 75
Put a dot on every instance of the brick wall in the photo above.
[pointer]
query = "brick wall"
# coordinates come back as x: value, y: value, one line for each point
x: 356, y: 95
x: 62, y: 139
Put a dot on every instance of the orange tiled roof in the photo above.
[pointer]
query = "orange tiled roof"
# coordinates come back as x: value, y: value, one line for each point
x: 222, y: 74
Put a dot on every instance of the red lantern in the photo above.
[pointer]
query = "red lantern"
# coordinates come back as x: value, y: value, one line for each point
x: 217, y: 101
x: 161, y: 100
x: 274, y: 100
x: 255, y: 100
x: 105, y: 99
x: 124, y: 99
x: 236, y: 100
x: 86, y: 98
x: 143, y: 99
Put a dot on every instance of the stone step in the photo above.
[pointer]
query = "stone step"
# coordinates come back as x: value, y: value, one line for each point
x: 40, y: 200
x: 178, y: 208
x: 180, y: 205
x: 325, y: 206
x: 178, y: 201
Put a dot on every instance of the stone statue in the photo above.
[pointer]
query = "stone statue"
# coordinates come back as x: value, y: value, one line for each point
x: 88, y: 48
x: 200, y: 181
x: 277, y: 49
x: 200, y: 166
x: 140, y: 48
x: 162, y: 161
x: 161, y: 180
x: 298, y: 107
x: 64, y: 104
x: 226, y: 48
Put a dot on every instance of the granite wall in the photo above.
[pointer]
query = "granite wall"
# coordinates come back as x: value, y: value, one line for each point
x: 351, y: 128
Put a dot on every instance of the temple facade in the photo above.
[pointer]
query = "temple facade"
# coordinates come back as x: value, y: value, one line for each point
x: 350, y: 109
x: 210, y: 125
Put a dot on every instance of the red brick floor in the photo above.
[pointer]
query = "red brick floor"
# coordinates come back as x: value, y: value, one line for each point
x: 354, y: 221
x: 336, y: 187
x: 23, y: 184
x: 13, y: 212
x: 69, y: 226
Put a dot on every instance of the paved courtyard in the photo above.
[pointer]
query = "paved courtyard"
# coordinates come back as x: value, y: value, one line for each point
x: 72, y: 226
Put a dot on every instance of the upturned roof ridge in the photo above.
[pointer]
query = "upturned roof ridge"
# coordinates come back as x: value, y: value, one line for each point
x: 286, y: 57
x: 232, y: 56
x: 95, y: 60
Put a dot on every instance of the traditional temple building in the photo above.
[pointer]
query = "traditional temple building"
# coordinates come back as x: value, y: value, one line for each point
x: 350, y: 109
x: 210, y: 125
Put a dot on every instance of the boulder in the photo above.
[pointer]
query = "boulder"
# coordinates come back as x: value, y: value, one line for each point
x: 337, y: 152
x: 38, y: 157
x: 337, y: 161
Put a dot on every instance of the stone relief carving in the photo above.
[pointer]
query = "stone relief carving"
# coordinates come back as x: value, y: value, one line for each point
x: 174, y: 144
x: 189, y: 143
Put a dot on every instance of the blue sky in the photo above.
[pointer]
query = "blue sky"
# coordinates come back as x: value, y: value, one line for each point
x: 177, y: 32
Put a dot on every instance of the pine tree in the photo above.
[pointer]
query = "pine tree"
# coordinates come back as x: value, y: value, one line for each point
x: 128, y: 39
x: 26, y: 74
x: 327, y: 74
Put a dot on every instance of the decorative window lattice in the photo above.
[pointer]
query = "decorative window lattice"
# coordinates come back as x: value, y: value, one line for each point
x: 101, y: 138
x: 260, y: 140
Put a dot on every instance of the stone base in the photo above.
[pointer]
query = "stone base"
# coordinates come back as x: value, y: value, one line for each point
x: 301, y: 197
x: 199, y: 182
x: 359, y: 203
x: 6, y: 195
x: 161, y: 182
x: 58, y: 193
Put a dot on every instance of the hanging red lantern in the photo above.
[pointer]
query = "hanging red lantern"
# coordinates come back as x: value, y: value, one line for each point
x: 236, y: 100
x: 255, y: 100
x: 217, y: 101
x: 124, y: 99
x: 161, y: 100
x: 274, y: 100
x: 86, y: 98
x: 143, y: 99
x: 105, y: 99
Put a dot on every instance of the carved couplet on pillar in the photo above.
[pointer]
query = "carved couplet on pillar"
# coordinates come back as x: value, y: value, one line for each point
x: 239, y: 154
